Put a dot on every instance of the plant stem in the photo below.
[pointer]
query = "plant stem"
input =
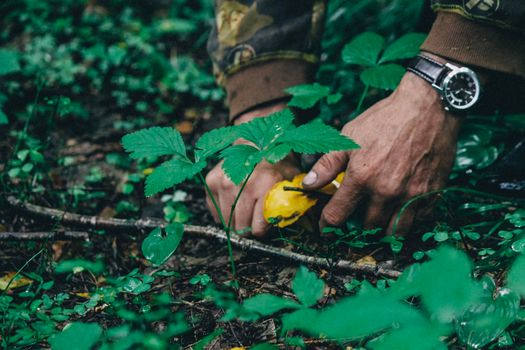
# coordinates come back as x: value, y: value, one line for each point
x: 361, y: 100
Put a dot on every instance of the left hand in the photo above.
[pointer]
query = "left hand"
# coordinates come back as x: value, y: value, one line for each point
x: 408, y: 144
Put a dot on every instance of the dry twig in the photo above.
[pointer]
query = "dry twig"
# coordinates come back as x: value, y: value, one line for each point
x: 68, y: 218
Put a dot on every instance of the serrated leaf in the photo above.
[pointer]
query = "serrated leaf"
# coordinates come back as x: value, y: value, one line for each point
x: 307, y: 287
x: 307, y: 95
x: 405, y: 47
x: 262, y: 131
x: 171, y: 173
x: 216, y: 140
x: 154, y: 142
x: 316, y: 137
x: 516, y: 276
x: 277, y: 153
x: 239, y: 161
x: 8, y: 61
x: 385, y: 76
x: 364, y: 49
x: 158, y: 247
x: 3, y: 118
x: 267, y: 304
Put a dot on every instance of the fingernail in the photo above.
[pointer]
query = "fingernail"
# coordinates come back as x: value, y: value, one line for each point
x: 310, y: 178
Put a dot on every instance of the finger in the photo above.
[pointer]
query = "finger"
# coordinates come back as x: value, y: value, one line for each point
x: 259, y: 224
x: 325, y: 170
x: 401, y: 222
x: 378, y: 214
x: 342, y: 204
x: 212, y: 208
x: 243, y: 213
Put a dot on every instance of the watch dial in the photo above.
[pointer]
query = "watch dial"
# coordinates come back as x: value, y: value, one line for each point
x: 462, y: 90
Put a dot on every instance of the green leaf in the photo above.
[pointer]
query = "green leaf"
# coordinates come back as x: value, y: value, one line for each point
x: 364, y: 49
x: 263, y: 131
x: 445, y: 284
x: 484, y: 322
x: 385, y: 76
x: 158, y: 247
x: 316, y: 137
x: 477, y: 157
x: 3, y: 118
x: 79, y: 265
x: 307, y: 95
x: 8, y: 62
x: 239, y: 161
x: 266, y: 304
x: 154, y: 142
x: 76, y: 336
x: 516, y: 276
x: 307, y: 287
x: 420, y: 336
x: 277, y: 153
x: 216, y: 140
x: 405, y: 47
x: 171, y: 173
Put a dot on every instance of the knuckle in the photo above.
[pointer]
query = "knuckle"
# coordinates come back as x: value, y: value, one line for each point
x: 332, y: 217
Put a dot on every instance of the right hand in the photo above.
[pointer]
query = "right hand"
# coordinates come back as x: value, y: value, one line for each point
x: 249, y: 210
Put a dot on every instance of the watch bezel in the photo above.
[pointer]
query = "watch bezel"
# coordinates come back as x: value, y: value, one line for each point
x: 446, y: 81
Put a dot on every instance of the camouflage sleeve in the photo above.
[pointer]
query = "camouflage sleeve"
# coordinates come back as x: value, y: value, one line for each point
x: 485, y: 33
x: 273, y: 43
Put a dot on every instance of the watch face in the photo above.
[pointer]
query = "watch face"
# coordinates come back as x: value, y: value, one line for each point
x: 461, y: 89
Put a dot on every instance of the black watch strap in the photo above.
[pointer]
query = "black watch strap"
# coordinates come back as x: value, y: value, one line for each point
x: 426, y: 68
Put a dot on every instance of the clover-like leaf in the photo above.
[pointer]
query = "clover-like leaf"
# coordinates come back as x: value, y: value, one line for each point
x: 385, y: 76
x: 405, y: 47
x: 364, y: 49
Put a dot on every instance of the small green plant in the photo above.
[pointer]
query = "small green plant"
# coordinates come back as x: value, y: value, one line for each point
x: 272, y: 138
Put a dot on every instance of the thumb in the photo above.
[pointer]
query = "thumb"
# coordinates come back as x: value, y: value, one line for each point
x: 325, y: 170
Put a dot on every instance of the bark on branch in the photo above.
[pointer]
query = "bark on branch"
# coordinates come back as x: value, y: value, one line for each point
x: 96, y: 222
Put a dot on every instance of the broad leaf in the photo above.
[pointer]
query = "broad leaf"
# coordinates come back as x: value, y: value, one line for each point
x: 385, y: 77
x: 364, y: 49
x: 8, y: 61
x: 418, y: 336
x: 359, y: 316
x: 267, y: 304
x: 154, y: 142
x: 159, y: 246
x: 445, y: 284
x: 171, y: 173
x: 516, y: 276
x: 76, y: 336
x: 262, y: 131
x: 3, y: 118
x: 405, y: 47
x: 239, y: 161
x: 79, y: 265
x: 316, y: 137
x: 307, y: 287
x: 216, y: 140
x: 307, y: 95
x: 484, y: 322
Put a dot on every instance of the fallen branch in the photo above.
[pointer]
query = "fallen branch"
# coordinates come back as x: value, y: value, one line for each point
x: 68, y: 218
x: 43, y: 236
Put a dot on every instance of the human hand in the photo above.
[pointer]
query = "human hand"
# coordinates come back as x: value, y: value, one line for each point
x: 249, y: 210
x: 408, y: 144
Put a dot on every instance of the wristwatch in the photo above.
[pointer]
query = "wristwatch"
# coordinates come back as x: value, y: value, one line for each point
x: 459, y: 87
